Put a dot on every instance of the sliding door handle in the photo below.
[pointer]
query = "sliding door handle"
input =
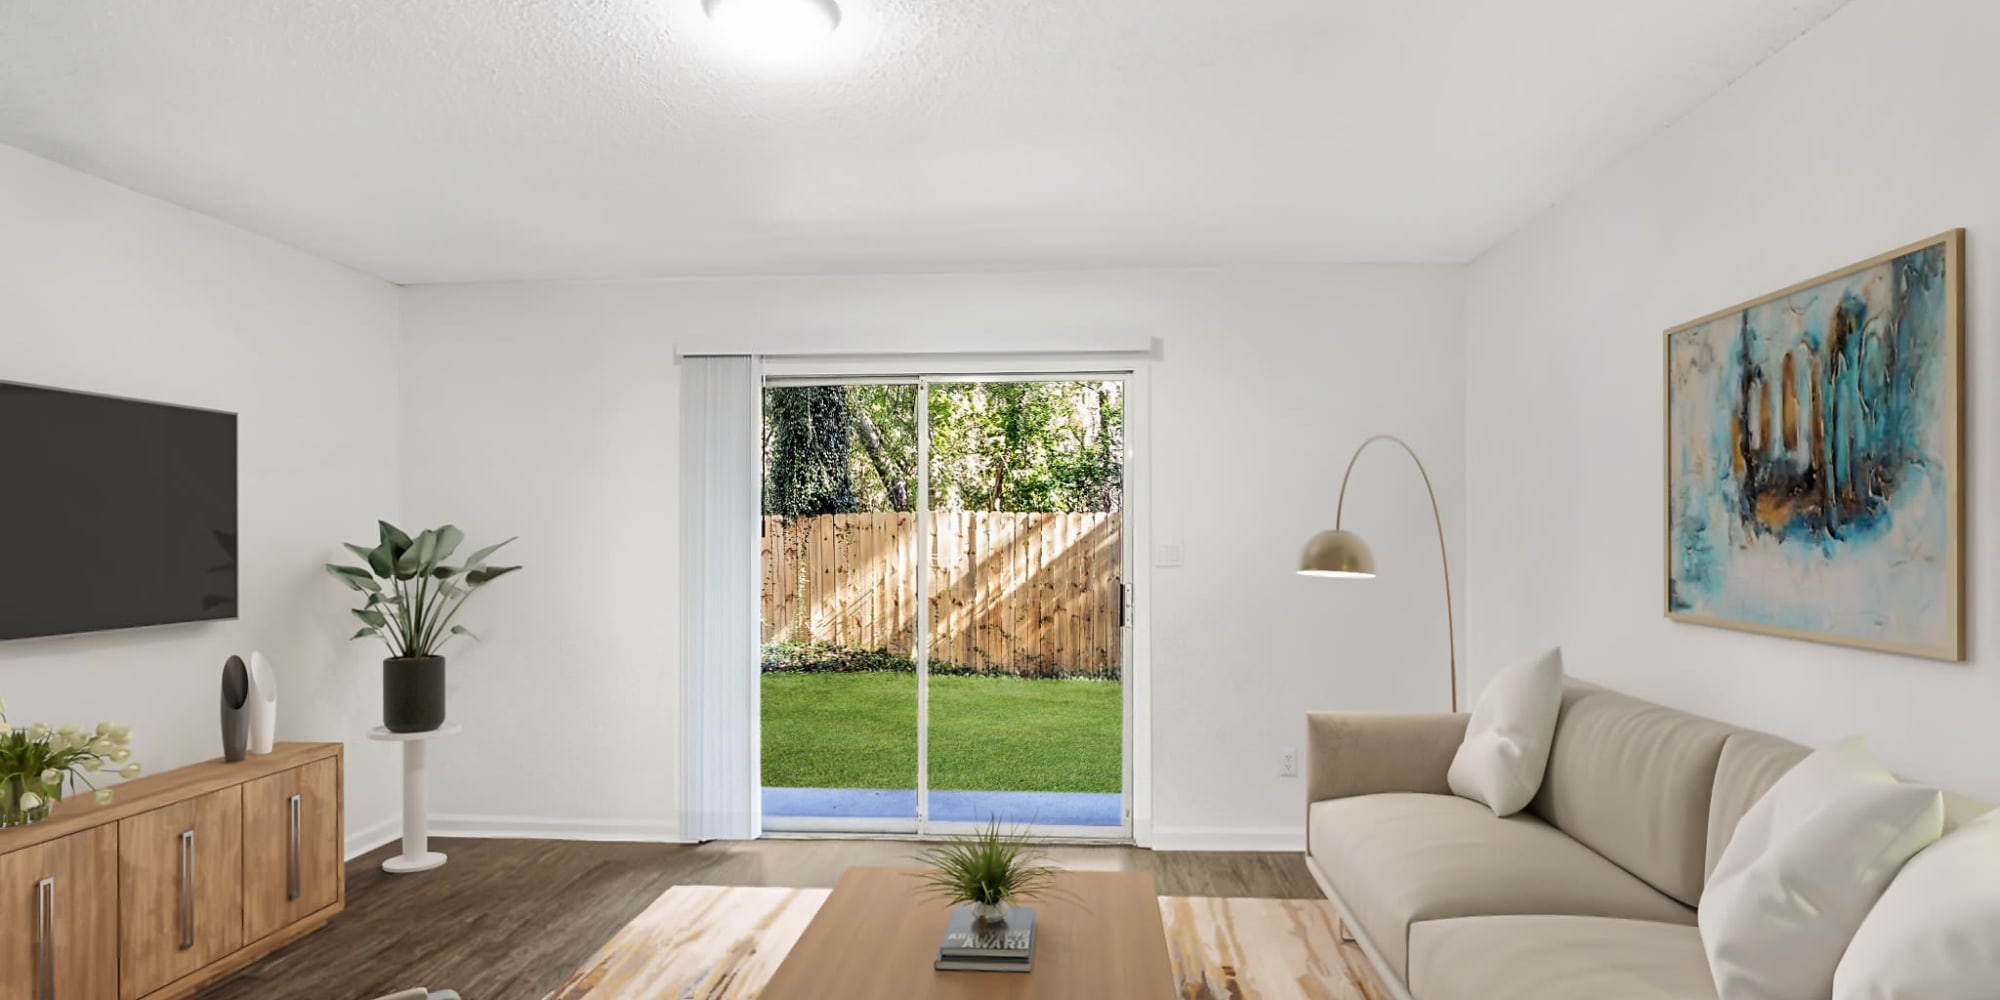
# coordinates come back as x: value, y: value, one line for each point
x: 45, y: 939
x: 187, y: 889
x: 292, y: 855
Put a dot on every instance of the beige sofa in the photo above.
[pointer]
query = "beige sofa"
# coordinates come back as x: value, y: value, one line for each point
x: 1588, y: 895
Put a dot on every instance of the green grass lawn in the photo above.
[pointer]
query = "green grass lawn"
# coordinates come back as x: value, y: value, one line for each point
x: 999, y: 734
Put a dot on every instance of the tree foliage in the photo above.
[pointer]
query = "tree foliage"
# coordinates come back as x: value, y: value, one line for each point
x: 885, y: 433
x: 1003, y: 446
x: 806, y: 452
x: 1028, y: 446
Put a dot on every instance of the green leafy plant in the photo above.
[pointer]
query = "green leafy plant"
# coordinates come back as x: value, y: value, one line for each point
x: 37, y: 762
x: 413, y: 593
x: 989, y: 868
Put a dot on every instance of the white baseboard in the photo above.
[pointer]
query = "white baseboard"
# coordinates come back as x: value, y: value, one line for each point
x: 372, y: 836
x: 1164, y: 838
x: 546, y: 828
x: 1229, y: 838
x: 390, y: 830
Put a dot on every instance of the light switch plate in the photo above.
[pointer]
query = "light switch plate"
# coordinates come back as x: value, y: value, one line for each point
x: 1169, y: 554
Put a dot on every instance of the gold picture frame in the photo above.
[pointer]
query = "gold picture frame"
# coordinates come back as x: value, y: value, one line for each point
x: 1814, y: 458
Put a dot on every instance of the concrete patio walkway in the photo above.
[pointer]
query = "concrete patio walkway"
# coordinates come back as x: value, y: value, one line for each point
x: 1010, y: 808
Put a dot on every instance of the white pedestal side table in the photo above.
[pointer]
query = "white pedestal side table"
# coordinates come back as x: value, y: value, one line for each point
x: 417, y: 855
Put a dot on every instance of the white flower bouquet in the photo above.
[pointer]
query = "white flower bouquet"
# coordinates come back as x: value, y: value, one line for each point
x: 38, y: 763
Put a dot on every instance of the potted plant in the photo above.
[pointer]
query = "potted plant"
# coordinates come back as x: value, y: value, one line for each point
x: 413, y: 597
x: 38, y: 762
x: 989, y: 870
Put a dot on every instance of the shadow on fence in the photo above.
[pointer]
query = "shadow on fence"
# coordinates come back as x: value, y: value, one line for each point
x: 1022, y: 594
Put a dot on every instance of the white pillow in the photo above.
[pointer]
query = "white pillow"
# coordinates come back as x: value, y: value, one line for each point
x: 1804, y: 867
x: 1506, y: 746
x: 1936, y: 933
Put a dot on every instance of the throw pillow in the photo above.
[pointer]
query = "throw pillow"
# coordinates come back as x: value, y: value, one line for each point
x: 1936, y: 933
x: 1507, y: 741
x: 1806, y: 864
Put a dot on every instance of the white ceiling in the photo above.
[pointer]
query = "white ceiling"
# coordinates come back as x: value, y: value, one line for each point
x: 448, y: 140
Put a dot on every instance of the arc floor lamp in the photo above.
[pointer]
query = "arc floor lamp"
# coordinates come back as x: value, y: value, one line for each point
x: 1344, y: 555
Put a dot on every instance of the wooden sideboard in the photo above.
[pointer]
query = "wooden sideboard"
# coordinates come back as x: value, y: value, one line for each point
x: 186, y: 877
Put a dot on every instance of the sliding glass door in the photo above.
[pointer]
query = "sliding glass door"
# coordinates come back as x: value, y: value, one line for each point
x: 943, y: 615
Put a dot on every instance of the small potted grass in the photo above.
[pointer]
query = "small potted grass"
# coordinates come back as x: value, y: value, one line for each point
x: 990, y: 870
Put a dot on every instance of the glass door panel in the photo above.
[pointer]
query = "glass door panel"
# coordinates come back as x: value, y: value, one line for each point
x: 840, y: 560
x: 1025, y: 704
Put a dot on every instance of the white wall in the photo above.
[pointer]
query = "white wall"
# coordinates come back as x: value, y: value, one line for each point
x: 1874, y: 130
x: 555, y: 409
x: 108, y: 291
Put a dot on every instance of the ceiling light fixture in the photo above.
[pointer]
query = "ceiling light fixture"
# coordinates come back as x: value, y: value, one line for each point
x: 775, y: 27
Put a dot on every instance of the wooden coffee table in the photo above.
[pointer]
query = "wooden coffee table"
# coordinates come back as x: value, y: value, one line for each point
x: 875, y: 938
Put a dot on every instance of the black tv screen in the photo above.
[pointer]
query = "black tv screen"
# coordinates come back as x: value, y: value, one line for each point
x: 113, y: 513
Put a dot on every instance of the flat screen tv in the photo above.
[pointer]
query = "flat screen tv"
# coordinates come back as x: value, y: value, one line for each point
x: 114, y: 513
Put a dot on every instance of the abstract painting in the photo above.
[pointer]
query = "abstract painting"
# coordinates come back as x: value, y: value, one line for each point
x: 1813, y: 475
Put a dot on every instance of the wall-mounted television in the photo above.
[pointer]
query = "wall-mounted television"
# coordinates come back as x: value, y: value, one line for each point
x: 114, y: 513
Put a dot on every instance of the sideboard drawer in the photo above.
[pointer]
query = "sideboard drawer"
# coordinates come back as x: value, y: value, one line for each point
x: 180, y: 879
x: 59, y: 920
x: 291, y: 847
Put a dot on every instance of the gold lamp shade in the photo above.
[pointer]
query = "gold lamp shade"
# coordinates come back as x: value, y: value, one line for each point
x: 1339, y: 554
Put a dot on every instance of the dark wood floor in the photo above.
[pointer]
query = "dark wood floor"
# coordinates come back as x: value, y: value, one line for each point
x: 509, y: 919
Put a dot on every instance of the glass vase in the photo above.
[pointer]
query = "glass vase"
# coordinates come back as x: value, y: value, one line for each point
x: 12, y: 788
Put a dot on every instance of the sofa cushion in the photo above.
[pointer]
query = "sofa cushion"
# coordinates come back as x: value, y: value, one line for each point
x: 1507, y: 741
x: 1632, y: 780
x: 1751, y: 763
x: 1397, y: 859
x: 1556, y: 958
x: 1935, y: 934
x: 1805, y: 866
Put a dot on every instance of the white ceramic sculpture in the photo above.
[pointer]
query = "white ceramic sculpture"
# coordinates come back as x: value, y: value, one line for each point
x: 263, y: 704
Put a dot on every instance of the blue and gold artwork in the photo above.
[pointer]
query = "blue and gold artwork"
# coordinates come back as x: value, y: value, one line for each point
x: 1813, y: 454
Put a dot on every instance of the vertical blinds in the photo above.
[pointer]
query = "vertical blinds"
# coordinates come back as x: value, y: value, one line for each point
x: 720, y: 409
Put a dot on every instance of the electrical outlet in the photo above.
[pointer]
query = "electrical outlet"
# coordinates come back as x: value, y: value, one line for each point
x: 1288, y: 764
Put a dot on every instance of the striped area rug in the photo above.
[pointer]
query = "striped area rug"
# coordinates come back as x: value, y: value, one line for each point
x: 702, y: 942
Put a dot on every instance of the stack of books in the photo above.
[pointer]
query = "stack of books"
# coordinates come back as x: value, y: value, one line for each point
x: 972, y: 946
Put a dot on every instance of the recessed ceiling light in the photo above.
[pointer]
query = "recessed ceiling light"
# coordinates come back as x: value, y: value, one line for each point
x: 775, y: 27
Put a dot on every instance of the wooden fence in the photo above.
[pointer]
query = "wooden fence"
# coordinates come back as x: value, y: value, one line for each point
x: 1029, y: 594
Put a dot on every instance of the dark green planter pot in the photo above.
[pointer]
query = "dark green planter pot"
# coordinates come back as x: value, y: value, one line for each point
x: 413, y: 694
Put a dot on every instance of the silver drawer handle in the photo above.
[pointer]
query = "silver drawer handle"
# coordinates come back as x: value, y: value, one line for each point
x: 45, y: 944
x: 292, y: 865
x: 187, y: 889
